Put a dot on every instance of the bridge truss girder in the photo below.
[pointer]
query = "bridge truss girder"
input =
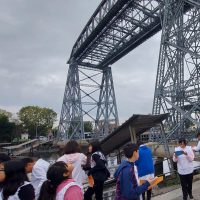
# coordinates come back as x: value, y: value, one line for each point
x: 177, y: 87
x: 116, y: 27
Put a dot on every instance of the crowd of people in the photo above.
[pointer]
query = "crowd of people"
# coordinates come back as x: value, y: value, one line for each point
x: 28, y: 179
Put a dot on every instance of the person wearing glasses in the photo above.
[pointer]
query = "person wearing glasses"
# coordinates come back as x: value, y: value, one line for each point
x: 184, y: 157
x: 3, y: 158
x: 15, y: 184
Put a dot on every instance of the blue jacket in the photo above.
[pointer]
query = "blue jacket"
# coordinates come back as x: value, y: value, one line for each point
x: 127, y: 187
x: 145, y: 162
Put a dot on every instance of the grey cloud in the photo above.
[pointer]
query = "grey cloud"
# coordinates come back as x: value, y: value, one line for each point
x: 36, y: 39
x: 134, y: 79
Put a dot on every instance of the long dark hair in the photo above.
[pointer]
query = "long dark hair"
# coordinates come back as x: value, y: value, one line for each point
x: 4, y: 157
x: 54, y: 178
x: 15, y: 177
x: 182, y: 140
x: 96, y: 146
x: 72, y: 147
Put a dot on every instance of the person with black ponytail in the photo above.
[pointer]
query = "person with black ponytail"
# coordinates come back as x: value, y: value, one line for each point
x: 59, y: 184
x: 15, y: 185
x: 97, y: 170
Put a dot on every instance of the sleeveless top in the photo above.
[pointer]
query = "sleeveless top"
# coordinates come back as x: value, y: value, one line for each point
x: 102, y: 157
x: 61, y: 194
x: 77, y: 160
x: 15, y: 196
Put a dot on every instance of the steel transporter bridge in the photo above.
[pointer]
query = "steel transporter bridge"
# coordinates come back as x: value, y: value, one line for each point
x: 116, y: 28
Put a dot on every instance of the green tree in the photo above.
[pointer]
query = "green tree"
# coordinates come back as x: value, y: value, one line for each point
x: 37, y: 120
x: 6, y: 128
x: 6, y: 113
x: 55, y: 130
x: 88, y: 126
x: 188, y: 123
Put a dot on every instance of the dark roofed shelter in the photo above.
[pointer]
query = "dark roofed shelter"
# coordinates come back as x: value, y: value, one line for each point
x: 130, y: 130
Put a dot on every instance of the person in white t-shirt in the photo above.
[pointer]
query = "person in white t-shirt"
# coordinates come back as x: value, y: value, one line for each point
x: 184, y: 157
x: 197, y: 148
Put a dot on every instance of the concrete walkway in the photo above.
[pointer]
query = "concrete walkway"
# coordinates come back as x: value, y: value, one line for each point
x: 177, y: 193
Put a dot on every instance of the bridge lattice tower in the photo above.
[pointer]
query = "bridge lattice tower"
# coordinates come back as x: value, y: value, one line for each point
x: 177, y: 89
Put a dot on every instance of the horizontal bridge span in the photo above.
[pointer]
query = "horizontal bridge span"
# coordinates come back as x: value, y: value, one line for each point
x: 116, y: 27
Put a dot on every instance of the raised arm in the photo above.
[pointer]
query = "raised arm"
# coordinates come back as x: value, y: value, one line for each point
x: 189, y: 154
x: 196, y: 148
x: 131, y: 191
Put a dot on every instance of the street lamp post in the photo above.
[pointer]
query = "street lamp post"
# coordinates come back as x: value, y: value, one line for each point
x: 36, y: 131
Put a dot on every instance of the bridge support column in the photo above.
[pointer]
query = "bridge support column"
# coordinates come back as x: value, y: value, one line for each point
x: 71, y: 119
x: 107, y: 115
x: 133, y: 135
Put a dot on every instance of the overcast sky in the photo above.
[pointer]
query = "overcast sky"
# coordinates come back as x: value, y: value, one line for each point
x: 36, y: 39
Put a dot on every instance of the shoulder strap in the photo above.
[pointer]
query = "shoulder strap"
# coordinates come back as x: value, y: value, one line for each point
x: 15, y: 196
x: 1, y: 198
x: 60, y: 195
x: 100, y: 154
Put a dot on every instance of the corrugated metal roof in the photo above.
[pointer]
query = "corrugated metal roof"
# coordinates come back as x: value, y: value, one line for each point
x: 121, y: 135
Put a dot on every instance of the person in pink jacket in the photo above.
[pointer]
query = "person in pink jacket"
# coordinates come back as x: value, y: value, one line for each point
x: 73, y: 155
x: 59, y: 184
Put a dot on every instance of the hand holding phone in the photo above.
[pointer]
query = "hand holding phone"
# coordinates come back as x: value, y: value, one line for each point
x: 178, y: 153
x: 185, y: 153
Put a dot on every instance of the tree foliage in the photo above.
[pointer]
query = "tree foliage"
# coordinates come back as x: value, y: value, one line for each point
x: 88, y: 126
x: 6, y: 128
x: 36, y: 119
x: 188, y: 123
x: 6, y: 113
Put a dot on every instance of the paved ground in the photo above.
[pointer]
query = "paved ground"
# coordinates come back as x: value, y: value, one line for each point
x: 177, y: 193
